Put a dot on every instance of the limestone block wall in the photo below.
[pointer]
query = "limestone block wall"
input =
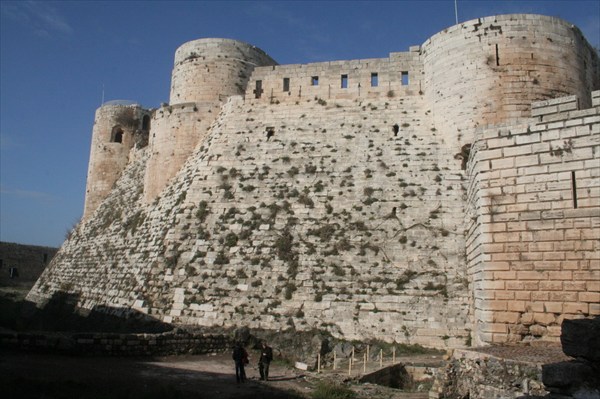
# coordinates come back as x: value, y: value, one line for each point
x: 206, y: 70
x: 534, y: 240
x: 333, y: 222
x: 489, y: 70
x: 398, y: 75
x: 176, y: 130
x: 113, y: 137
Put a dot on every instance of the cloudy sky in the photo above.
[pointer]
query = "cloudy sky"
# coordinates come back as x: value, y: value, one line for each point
x: 57, y: 59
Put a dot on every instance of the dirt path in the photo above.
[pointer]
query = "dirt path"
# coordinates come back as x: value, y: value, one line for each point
x: 27, y: 375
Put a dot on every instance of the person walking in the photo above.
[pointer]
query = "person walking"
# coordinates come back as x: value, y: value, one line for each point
x: 240, y: 357
x: 266, y: 355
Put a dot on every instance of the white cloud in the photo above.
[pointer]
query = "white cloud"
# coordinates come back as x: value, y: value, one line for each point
x: 27, y: 194
x: 40, y: 17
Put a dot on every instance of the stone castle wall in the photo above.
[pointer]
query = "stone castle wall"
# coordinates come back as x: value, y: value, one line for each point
x: 490, y: 70
x: 533, y: 245
x: 348, y: 209
x: 116, y: 131
x: 368, y: 78
x: 206, y: 72
x: 29, y: 260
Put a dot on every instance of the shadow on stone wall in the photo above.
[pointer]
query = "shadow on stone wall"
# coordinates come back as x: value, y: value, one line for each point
x: 62, y: 314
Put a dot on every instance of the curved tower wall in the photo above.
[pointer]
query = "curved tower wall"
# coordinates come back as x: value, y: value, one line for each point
x: 490, y: 70
x: 206, y: 72
x: 213, y: 69
x: 113, y: 137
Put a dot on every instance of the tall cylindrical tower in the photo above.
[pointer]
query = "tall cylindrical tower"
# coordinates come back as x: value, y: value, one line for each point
x: 490, y: 70
x: 206, y: 72
x: 117, y: 127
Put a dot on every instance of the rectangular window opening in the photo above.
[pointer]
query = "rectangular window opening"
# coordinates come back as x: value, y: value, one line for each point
x: 286, y: 84
x: 497, y: 56
x: 574, y: 189
x: 404, y: 78
x: 344, y: 82
x: 258, y: 90
x: 374, y: 79
x: 314, y: 81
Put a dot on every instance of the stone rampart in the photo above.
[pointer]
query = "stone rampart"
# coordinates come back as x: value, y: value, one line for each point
x: 112, y: 344
x: 533, y: 246
x: 398, y: 75
x: 350, y: 209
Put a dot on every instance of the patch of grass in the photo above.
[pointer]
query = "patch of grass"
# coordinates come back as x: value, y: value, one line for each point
x: 332, y: 390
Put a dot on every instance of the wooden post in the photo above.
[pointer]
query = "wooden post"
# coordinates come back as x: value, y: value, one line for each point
x: 368, y: 347
x: 334, y: 360
x: 352, y: 357
x: 380, y: 357
x: 394, y: 355
x: 318, y: 362
x: 350, y: 366
x: 364, y: 363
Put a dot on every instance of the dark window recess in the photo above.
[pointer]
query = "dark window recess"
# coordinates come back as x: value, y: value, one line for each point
x: 497, y: 56
x: 574, y: 189
x: 405, y: 78
x: 374, y: 79
x: 45, y: 258
x: 270, y: 132
x: 146, y: 123
x: 286, y: 84
x: 396, y: 129
x: 394, y: 211
x: 314, y: 81
x: 13, y: 272
x: 116, y: 136
x: 1, y: 261
x: 344, y: 83
x: 258, y: 89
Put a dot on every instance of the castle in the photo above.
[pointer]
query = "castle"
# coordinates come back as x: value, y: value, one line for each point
x: 445, y: 196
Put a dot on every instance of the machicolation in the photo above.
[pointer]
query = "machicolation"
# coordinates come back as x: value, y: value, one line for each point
x: 445, y: 196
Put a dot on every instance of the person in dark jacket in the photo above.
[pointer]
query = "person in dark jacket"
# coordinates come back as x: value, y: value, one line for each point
x: 266, y: 355
x: 240, y: 357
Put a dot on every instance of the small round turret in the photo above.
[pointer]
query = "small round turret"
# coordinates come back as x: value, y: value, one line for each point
x: 118, y: 127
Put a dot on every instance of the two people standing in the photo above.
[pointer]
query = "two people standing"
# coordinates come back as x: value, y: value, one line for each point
x: 240, y: 357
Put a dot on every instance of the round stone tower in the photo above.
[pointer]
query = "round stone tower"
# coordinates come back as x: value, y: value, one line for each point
x: 118, y: 127
x: 206, y: 73
x: 489, y: 70
x: 213, y: 69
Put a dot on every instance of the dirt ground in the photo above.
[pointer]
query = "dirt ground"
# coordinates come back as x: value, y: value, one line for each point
x: 49, y: 376
x: 26, y: 375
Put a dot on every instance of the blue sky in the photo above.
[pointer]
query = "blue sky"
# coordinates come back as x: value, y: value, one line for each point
x: 56, y: 57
